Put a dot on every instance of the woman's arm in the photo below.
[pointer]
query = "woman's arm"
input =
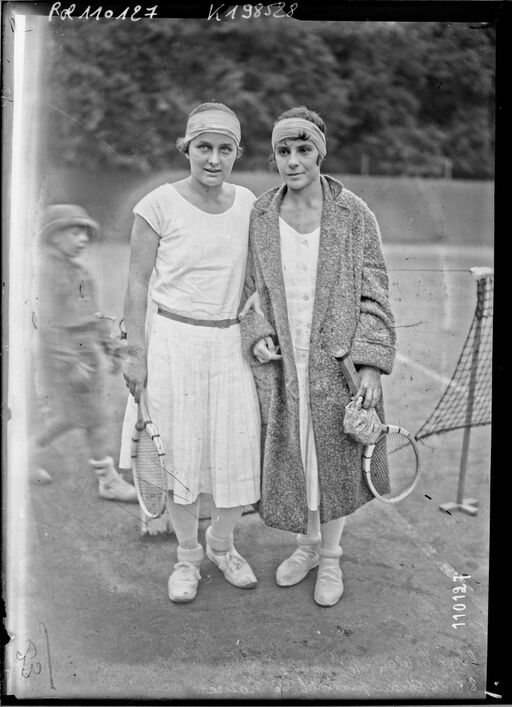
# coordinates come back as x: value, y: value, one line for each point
x: 144, y: 246
x: 374, y: 340
x: 255, y: 327
x: 373, y: 347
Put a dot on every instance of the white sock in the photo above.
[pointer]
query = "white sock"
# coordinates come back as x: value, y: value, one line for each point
x: 331, y: 537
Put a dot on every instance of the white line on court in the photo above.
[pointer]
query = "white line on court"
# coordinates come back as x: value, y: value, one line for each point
x: 423, y: 369
x: 429, y: 372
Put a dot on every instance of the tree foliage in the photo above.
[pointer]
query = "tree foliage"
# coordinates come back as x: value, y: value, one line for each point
x: 397, y: 98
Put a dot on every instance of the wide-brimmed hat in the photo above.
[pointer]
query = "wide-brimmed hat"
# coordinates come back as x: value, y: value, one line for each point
x: 60, y: 216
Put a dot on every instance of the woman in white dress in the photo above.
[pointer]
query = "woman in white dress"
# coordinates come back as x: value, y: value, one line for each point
x: 201, y: 395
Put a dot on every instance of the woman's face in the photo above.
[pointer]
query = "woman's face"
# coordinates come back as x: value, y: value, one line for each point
x: 212, y: 157
x: 297, y: 162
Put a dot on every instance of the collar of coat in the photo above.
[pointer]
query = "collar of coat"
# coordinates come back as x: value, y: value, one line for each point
x: 335, y: 229
x: 333, y: 190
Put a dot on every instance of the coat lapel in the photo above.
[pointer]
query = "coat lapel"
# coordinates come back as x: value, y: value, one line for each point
x: 267, y: 245
x: 333, y: 234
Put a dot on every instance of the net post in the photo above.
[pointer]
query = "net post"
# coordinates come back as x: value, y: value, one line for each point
x: 470, y: 505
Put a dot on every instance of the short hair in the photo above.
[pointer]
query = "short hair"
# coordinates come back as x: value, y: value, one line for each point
x: 305, y: 113
x: 182, y: 146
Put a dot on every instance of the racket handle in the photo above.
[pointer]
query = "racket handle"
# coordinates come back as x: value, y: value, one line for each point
x: 348, y: 369
x: 276, y: 341
x: 142, y: 410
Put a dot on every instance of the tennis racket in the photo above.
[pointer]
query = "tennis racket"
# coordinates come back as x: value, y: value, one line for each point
x: 391, y: 465
x: 148, y: 464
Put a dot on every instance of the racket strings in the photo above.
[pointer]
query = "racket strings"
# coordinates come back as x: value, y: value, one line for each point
x: 149, y: 439
x: 149, y: 473
x: 394, y: 466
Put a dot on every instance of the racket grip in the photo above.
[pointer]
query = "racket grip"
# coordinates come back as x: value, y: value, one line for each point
x: 348, y: 369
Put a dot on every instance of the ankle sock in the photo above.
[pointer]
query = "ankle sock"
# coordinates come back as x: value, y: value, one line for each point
x: 218, y: 545
x: 193, y: 555
x: 331, y: 552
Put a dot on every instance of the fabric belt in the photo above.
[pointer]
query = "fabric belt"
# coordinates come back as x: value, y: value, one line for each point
x: 219, y: 323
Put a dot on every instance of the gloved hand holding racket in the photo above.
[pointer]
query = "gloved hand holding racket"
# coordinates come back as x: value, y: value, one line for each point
x: 390, y: 460
x: 362, y: 425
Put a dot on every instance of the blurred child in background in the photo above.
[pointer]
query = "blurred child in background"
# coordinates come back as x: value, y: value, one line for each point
x: 72, y: 343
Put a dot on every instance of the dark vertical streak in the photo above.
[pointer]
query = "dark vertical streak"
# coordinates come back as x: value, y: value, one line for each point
x: 50, y: 671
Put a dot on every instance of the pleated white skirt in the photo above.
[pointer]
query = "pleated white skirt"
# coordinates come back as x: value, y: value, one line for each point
x: 203, y: 401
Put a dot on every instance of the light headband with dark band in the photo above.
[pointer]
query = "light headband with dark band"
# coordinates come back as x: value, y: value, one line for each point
x: 293, y: 128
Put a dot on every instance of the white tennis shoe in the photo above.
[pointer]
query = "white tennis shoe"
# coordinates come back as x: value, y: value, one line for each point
x: 234, y: 567
x: 183, y: 582
x: 294, y: 569
x: 329, y: 582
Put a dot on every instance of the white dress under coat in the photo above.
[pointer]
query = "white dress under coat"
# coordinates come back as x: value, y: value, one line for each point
x: 299, y: 256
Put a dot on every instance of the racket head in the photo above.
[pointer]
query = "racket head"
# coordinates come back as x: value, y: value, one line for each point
x: 148, y: 464
x: 392, y: 465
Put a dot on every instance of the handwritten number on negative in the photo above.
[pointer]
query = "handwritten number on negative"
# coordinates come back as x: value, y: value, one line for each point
x: 28, y: 667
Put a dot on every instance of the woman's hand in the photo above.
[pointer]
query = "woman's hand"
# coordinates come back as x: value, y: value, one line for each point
x: 252, y: 303
x: 370, y: 389
x: 135, y: 373
x: 265, y: 350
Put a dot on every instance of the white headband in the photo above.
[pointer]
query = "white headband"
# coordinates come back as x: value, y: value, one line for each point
x: 293, y: 127
x: 213, y: 121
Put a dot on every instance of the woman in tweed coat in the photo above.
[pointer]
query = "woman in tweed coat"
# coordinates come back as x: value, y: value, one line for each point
x: 316, y: 262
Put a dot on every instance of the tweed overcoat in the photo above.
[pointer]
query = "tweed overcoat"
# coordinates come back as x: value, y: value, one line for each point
x: 351, y: 309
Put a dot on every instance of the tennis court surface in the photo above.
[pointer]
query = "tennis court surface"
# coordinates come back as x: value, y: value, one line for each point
x: 97, y: 619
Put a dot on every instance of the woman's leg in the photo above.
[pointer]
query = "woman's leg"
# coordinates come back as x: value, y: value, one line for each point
x: 329, y: 582
x: 184, y: 580
x: 331, y: 533
x: 221, y: 550
x: 224, y: 521
x: 313, y: 535
x: 185, y: 521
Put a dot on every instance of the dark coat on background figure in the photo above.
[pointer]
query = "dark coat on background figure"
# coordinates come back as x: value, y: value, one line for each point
x: 351, y: 309
x: 69, y: 334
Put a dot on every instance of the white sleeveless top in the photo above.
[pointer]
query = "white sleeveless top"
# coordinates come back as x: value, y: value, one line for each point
x: 201, y: 257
